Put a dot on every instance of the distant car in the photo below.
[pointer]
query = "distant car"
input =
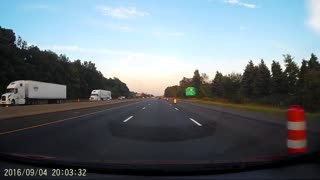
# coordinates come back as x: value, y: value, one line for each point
x: 121, y: 97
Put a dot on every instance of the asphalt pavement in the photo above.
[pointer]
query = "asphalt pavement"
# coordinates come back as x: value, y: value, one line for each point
x: 151, y: 129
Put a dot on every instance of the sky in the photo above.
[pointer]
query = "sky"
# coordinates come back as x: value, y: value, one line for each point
x: 151, y: 44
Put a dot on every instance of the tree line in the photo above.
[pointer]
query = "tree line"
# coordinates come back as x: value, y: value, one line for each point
x: 18, y: 61
x: 258, y: 84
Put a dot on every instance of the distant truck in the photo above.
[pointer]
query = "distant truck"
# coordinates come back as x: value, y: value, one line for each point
x: 100, y: 95
x: 33, y: 92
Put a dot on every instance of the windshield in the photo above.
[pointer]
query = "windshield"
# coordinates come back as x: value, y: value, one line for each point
x: 11, y: 90
x: 178, y: 81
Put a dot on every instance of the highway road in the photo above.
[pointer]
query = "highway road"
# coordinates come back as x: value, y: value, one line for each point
x: 151, y: 129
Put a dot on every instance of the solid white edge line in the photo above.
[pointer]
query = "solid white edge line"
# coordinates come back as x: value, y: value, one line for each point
x: 128, y: 119
x: 195, y: 122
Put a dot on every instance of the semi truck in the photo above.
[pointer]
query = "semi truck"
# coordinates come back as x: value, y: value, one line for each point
x: 33, y: 92
x: 100, y: 95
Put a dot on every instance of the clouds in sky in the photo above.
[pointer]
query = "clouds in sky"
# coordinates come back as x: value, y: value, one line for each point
x: 122, y: 12
x: 239, y: 3
x: 314, y: 14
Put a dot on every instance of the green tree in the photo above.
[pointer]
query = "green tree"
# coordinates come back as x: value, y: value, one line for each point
x: 7, y: 37
x: 231, y: 86
x: 313, y: 63
x: 183, y: 84
x: 205, y: 90
x: 277, y: 84
x: 171, y: 91
x: 291, y: 74
x: 261, y: 81
x: 217, y: 86
x: 205, y: 87
x: 301, y: 81
x: 19, y: 42
x: 196, y: 80
x: 302, y: 73
x: 29, y: 62
x: 311, y: 99
x: 204, y: 78
x: 248, y: 79
x: 309, y: 84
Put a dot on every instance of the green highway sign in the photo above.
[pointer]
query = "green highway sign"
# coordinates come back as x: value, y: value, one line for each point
x: 191, y: 91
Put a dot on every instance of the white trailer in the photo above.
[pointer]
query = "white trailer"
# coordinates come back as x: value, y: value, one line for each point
x: 33, y: 92
x: 100, y: 95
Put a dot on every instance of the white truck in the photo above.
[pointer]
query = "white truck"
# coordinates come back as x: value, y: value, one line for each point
x: 100, y: 95
x: 33, y: 92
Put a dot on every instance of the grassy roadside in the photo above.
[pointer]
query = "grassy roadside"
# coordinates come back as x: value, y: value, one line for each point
x: 76, y: 100
x: 253, y: 107
x: 18, y: 111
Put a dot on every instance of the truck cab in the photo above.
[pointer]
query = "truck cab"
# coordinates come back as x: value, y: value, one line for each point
x: 100, y: 95
x: 15, y: 94
x: 94, y: 97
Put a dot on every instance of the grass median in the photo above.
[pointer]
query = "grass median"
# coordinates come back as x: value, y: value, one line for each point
x: 253, y: 107
x: 19, y: 111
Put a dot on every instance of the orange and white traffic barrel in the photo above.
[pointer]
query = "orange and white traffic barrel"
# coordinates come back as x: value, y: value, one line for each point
x: 297, y: 136
x: 175, y: 101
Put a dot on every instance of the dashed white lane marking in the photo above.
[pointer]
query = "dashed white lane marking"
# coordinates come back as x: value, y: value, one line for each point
x: 176, y: 109
x: 149, y: 104
x: 128, y: 119
x: 143, y: 107
x: 195, y: 122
